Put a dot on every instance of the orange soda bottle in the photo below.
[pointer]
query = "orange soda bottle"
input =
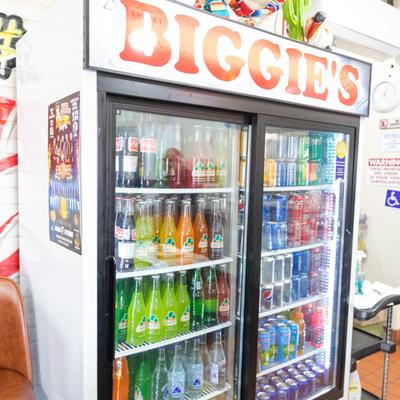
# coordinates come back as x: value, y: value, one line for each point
x: 200, y: 229
x: 168, y: 234
x: 297, y: 316
x: 185, y: 235
x: 120, y: 379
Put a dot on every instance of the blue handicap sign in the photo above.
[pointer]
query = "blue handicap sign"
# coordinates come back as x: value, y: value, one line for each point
x: 392, y: 199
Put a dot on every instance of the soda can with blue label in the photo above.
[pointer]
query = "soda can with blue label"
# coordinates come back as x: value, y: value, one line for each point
x: 297, y: 262
x: 320, y: 375
x: 295, y: 288
x: 283, y: 391
x: 283, y: 342
x: 281, y: 173
x: 294, y: 339
x: 291, y: 173
x: 303, y: 386
x: 282, y: 146
x: 278, y: 210
x: 278, y: 235
x: 305, y: 262
x: 265, y: 345
x: 266, y: 207
x: 304, y: 286
x: 294, y: 388
x: 312, y: 381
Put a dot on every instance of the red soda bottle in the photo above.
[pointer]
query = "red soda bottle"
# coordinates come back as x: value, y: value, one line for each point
x: 223, y: 295
x: 317, y: 331
x: 175, y: 161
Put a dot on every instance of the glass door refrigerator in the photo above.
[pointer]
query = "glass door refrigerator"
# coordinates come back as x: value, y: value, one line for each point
x: 179, y: 225
x: 304, y: 266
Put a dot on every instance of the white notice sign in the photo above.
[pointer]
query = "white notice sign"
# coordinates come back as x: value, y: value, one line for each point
x: 390, y: 142
x: 384, y: 171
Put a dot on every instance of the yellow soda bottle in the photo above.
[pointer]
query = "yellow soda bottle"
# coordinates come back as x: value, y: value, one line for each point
x: 168, y: 237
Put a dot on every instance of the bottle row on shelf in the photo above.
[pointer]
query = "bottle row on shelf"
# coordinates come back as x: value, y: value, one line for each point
x: 170, y: 308
x: 299, y: 159
x: 160, y: 155
x: 298, y: 381
x: 173, y: 372
x: 150, y: 230
x: 297, y: 219
x: 291, y: 277
x: 287, y: 336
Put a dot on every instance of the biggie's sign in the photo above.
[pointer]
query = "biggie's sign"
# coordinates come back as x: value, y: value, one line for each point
x: 168, y: 41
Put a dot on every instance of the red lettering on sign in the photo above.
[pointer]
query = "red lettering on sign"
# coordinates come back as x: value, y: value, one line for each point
x: 138, y: 36
x: 294, y: 58
x: 348, y: 85
x: 186, y: 62
x: 210, y: 53
x: 314, y: 76
x: 255, y: 68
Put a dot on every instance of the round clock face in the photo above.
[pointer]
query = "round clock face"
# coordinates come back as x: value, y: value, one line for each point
x: 386, y: 96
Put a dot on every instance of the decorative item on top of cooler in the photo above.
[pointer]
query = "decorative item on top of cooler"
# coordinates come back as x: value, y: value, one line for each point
x: 317, y: 33
x: 294, y: 14
x: 216, y: 7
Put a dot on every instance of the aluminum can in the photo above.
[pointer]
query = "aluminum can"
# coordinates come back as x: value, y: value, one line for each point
x: 328, y: 147
x: 304, y: 286
x: 265, y: 345
x: 329, y: 171
x: 266, y: 296
x: 303, y: 152
x: 292, y: 147
x: 268, y: 270
x: 315, y: 146
x: 296, y: 207
x: 267, y: 236
x: 291, y: 173
x: 293, y: 372
x: 325, y: 228
x: 303, y: 386
x: 294, y: 339
x: 267, y: 201
x: 287, y: 291
x: 316, y: 258
x: 312, y: 381
x: 270, y: 391
x: 309, y: 363
x: 314, y: 204
x: 305, y: 232
x: 302, y: 367
x: 294, y: 388
x: 297, y: 262
x: 275, y: 380
x: 295, y: 288
x: 283, y: 341
x: 272, y: 335
x: 294, y: 233
x: 270, y: 173
x: 283, y: 391
x: 314, y: 173
x: 288, y: 266
x: 305, y: 262
x: 282, y: 319
x: 271, y: 145
x: 262, y: 396
x: 278, y: 208
x: 281, y: 173
x: 263, y: 380
x: 282, y: 374
x: 328, y: 203
x: 312, y: 230
x: 242, y: 173
x: 278, y: 294
x: 302, y: 173
x: 279, y: 268
x: 314, y: 283
x: 320, y: 375
x: 282, y: 146
x: 278, y: 231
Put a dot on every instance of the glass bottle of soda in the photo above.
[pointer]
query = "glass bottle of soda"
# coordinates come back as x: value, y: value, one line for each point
x: 168, y: 236
x: 160, y: 379
x: 217, y: 363
x: 119, y: 157
x: 127, y: 238
x: 142, y: 389
x: 120, y: 379
x: 196, y: 301
x: 216, y: 232
x: 195, y: 163
x: 130, y: 170
x: 144, y: 238
x: 297, y: 316
x: 119, y: 215
x: 211, y: 298
x: 177, y: 375
x: 195, y: 370
x: 154, y: 312
x: 223, y: 295
x: 221, y: 158
x: 157, y: 224
x: 209, y: 157
x: 206, y: 358
x: 200, y: 229
x: 175, y: 161
x: 148, y: 152
x: 137, y: 316
x: 183, y: 303
x: 121, y: 310
x: 170, y: 320
x: 185, y: 234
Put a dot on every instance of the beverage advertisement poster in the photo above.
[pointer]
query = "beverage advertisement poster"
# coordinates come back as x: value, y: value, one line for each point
x: 64, y: 172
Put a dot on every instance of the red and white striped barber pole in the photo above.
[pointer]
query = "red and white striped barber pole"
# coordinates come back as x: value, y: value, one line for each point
x: 9, y: 247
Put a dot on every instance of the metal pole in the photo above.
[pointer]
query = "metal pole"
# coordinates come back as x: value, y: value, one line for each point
x: 388, y: 336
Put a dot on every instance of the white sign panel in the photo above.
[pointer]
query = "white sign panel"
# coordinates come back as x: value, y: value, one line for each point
x: 164, y: 40
x: 390, y: 142
x: 391, y: 123
x: 384, y: 171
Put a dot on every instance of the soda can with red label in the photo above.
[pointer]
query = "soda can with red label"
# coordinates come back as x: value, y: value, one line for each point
x: 326, y: 228
x: 312, y: 227
x: 305, y: 232
x: 316, y: 258
x: 267, y: 293
x: 294, y: 233
x: 314, y: 203
x: 314, y: 283
x: 306, y: 207
x: 328, y: 203
x: 296, y: 207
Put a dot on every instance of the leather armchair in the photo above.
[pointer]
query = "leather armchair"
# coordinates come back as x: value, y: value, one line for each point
x: 15, y: 357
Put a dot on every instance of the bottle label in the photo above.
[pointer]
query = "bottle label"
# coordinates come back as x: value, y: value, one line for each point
x: 148, y: 145
x: 169, y: 247
x: 178, y: 385
x: 126, y: 234
x: 203, y: 242
x: 185, y: 317
x: 224, y: 306
x: 119, y: 143
x: 118, y: 233
x: 133, y: 144
x: 126, y: 250
x: 165, y: 392
x: 214, y: 373
x: 187, y: 246
x: 221, y: 169
x: 130, y: 164
x: 217, y: 242
x: 198, y: 171
x: 142, y: 249
x: 210, y: 169
x: 196, y: 376
x: 154, y: 323
x: 156, y: 239
x: 141, y: 327
x: 137, y: 393
x: 170, y: 320
x: 123, y: 323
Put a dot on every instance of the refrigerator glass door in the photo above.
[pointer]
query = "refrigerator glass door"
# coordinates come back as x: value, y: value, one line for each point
x: 177, y: 198
x: 305, y: 174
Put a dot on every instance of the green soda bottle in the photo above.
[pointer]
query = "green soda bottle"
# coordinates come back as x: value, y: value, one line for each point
x: 183, y: 300
x: 144, y: 238
x: 137, y: 317
x: 170, y: 324
x: 154, y: 312
x: 121, y: 310
x: 142, y: 388
x: 196, y: 301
